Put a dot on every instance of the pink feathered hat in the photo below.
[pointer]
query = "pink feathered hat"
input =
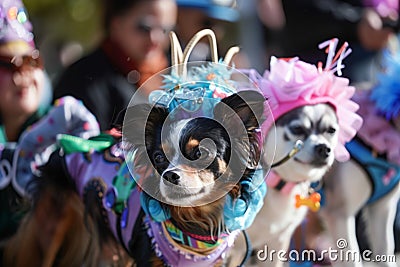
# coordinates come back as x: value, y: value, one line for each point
x: 291, y: 83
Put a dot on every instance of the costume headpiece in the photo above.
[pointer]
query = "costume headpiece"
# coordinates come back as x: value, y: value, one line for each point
x: 14, y: 23
x: 291, y: 83
x: 195, y: 89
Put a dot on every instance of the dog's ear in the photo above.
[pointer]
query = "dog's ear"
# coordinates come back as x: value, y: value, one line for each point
x: 141, y: 123
x: 248, y: 105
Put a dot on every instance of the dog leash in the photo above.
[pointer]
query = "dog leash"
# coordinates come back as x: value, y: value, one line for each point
x: 249, y: 249
x: 296, y: 148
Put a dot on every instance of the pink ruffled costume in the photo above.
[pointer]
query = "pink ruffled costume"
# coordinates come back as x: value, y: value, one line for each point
x: 377, y: 146
x: 376, y: 131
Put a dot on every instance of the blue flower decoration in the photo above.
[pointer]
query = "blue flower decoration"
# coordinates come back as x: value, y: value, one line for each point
x: 153, y: 208
x: 240, y: 213
x: 210, y: 81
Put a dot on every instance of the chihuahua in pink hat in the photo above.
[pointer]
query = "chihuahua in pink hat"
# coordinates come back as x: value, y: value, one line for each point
x: 313, y: 116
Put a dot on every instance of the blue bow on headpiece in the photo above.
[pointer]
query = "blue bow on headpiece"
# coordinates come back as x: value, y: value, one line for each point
x: 191, y: 92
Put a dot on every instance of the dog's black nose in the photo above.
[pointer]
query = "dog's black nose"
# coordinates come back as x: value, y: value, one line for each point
x: 171, y: 177
x: 322, y: 150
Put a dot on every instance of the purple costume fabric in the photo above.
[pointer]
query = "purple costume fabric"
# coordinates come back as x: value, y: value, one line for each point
x: 179, y: 257
x: 36, y: 144
x: 104, y: 166
x: 83, y: 168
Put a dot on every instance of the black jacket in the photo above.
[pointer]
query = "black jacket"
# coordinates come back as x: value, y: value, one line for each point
x: 102, y: 88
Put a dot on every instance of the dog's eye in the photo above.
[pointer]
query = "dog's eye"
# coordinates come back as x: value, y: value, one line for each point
x: 297, y: 130
x: 331, y: 130
x: 200, y: 153
x: 158, y: 157
x: 197, y: 154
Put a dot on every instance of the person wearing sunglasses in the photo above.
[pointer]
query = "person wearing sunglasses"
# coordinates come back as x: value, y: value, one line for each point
x: 21, y: 85
x: 134, y: 48
x: 29, y: 123
x: 22, y: 78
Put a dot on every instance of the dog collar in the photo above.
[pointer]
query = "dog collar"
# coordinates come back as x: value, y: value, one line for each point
x: 274, y: 181
x: 312, y: 201
x: 174, y: 254
x: 191, y: 240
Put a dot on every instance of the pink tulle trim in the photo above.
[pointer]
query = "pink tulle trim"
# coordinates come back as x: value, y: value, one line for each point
x: 376, y: 131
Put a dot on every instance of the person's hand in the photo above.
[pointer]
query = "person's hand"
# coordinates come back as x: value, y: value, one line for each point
x: 371, y: 33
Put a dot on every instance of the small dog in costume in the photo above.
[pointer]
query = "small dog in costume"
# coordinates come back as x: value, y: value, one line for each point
x: 370, y: 180
x: 176, y: 187
x: 313, y: 117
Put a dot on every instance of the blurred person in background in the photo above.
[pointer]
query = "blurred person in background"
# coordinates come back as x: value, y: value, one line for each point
x: 255, y: 16
x: 24, y: 91
x: 367, y: 25
x: 134, y: 48
x: 25, y: 103
x: 21, y: 88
